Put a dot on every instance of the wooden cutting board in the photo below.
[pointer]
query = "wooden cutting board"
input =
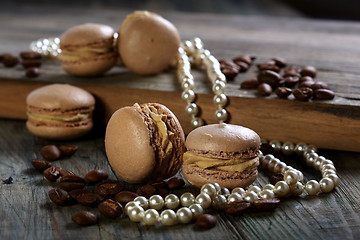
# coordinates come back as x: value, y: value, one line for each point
x: 332, y: 47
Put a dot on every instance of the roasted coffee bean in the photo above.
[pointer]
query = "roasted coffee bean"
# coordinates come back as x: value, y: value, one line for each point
x: 291, y: 81
x: 303, y: 94
x: 307, y: 84
x: 206, y: 221
x: 244, y: 58
x: 251, y: 83
x: 237, y: 207
x: 110, y: 208
x: 76, y: 193
x: 109, y: 188
x: 96, y: 175
x: 243, y: 66
x: 88, y: 199
x: 32, y: 72
x: 65, y: 172
x: 84, y: 218
x: 59, y: 196
x: 324, y: 94
x: 283, y: 92
x: 34, y: 63
x: 125, y: 197
x: 147, y: 190
x: 40, y: 164
x: 2, y: 55
x: 230, y: 73
x: 273, y: 179
x: 157, y: 184
x: 264, y: 89
x: 270, y: 65
x: 71, y: 182
x: 319, y: 85
x: 309, y: 71
x: 292, y: 69
x: 270, y: 77
x: 163, y: 192
x: 266, y: 204
x: 175, y: 183
x: 68, y: 150
x: 306, y: 78
x: 280, y: 62
x: 10, y: 60
x: 30, y: 55
x: 227, y: 64
x: 50, y: 152
x: 52, y: 174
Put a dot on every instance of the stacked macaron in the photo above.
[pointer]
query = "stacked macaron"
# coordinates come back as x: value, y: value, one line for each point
x: 222, y: 153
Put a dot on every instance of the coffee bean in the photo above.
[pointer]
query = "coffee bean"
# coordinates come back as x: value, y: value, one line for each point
x: 71, y: 182
x: 291, y: 81
x: 270, y: 65
x: 306, y: 78
x: 31, y: 63
x: 283, y: 92
x: 2, y: 55
x: 319, y: 85
x: 276, y: 178
x: 292, y: 69
x: 206, y: 221
x: 84, y: 218
x: 266, y: 204
x: 65, y: 172
x: 163, y: 192
x: 228, y: 64
x: 280, y: 62
x: 109, y: 188
x: 88, y: 199
x: 324, y: 94
x: 264, y: 89
x: 30, y: 55
x: 76, y: 193
x: 307, y: 84
x: 303, y: 94
x: 147, y: 190
x: 270, y: 77
x: 50, y: 152
x: 10, y: 60
x: 68, y: 150
x: 110, y: 208
x: 175, y: 183
x: 309, y: 71
x: 157, y: 184
x: 32, y: 72
x: 251, y: 83
x: 236, y: 207
x: 59, y: 196
x: 125, y: 197
x: 243, y: 58
x: 230, y: 73
x: 243, y: 66
x: 51, y: 174
x: 96, y: 175
x: 40, y: 164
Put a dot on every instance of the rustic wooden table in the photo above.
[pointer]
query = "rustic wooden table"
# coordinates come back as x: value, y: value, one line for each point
x: 27, y: 213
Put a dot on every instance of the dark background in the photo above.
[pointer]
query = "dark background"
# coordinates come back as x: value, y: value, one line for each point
x: 324, y: 9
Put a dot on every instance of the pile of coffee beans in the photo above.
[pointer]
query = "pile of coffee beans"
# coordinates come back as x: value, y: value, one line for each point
x: 238, y: 65
x: 30, y: 61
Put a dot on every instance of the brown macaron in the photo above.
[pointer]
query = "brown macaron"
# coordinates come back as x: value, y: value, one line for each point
x: 147, y: 43
x: 222, y: 153
x: 59, y: 112
x: 88, y: 49
x: 144, y: 142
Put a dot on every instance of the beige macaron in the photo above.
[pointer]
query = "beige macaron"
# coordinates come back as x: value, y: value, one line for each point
x: 88, y: 49
x: 144, y: 142
x: 59, y: 112
x: 221, y: 153
x: 148, y: 43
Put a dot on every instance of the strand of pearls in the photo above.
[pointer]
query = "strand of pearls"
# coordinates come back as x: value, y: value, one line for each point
x: 46, y: 46
x: 188, y: 207
x: 193, y: 53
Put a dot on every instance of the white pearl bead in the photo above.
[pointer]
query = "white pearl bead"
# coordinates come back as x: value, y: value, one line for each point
x: 291, y: 177
x: 129, y: 206
x: 288, y: 148
x: 267, y: 159
x: 255, y: 189
x: 142, y: 201
x: 184, y: 215
x: 250, y: 196
x: 326, y: 184
x: 209, y: 188
x: 300, y: 148
x: 187, y: 199
x: 328, y: 172
x: 234, y: 197
x: 218, y: 87
x: 335, y: 179
x: 272, y: 163
x: 318, y: 161
x: 156, y: 202
x: 281, y: 188
x: 192, y: 109
x: 196, y: 210
x: 136, y: 213
x: 311, y: 148
x: 204, y: 200
x: 172, y: 201
x: 276, y: 145
x: 278, y: 168
x: 310, y: 158
x: 219, y: 202
x: 300, y: 175
x: 297, y: 189
x: 328, y: 166
x: 168, y: 217
x: 238, y: 190
x: 287, y: 168
x: 220, y: 100
x: 188, y: 95
x: 188, y: 83
x: 221, y: 115
x: 268, y: 186
x: 267, y: 194
x: 217, y: 187
x: 150, y: 217
x: 197, y: 122
x: 325, y: 162
x: 312, y: 187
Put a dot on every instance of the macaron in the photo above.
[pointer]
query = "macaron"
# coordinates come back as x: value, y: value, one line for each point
x: 144, y: 142
x: 59, y: 112
x: 222, y: 153
x: 148, y: 43
x: 88, y: 49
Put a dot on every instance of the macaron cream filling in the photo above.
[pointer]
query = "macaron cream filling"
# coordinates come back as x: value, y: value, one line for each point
x: 77, y: 117
x: 84, y: 53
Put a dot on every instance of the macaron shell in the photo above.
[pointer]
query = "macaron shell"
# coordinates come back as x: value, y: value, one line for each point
x: 148, y: 43
x: 123, y: 140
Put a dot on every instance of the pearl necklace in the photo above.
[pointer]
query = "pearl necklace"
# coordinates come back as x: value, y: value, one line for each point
x: 193, y: 52
x: 211, y: 194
